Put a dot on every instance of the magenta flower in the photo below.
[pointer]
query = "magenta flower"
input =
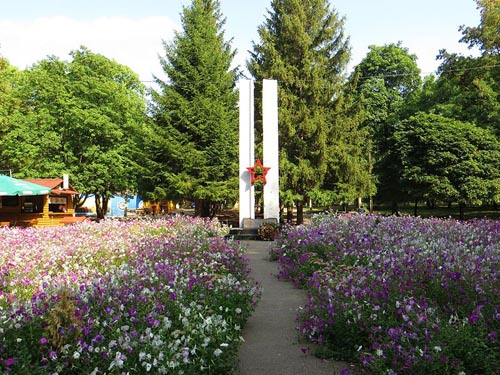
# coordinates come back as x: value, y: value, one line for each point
x: 9, y: 362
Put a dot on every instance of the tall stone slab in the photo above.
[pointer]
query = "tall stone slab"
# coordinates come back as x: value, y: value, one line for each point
x: 271, y: 148
x: 246, y: 150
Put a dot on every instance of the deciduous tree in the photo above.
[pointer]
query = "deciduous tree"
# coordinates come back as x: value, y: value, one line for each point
x: 8, y: 102
x: 82, y: 117
x: 389, y: 79
x: 447, y: 160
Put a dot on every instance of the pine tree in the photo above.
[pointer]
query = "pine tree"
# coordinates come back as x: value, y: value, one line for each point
x: 303, y: 47
x: 195, y: 154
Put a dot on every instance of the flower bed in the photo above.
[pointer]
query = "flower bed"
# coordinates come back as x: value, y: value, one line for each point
x: 161, y: 296
x: 399, y: 295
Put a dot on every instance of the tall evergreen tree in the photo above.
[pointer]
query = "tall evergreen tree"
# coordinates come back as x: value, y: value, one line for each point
x: 196, y: 156
x: 303, y: 46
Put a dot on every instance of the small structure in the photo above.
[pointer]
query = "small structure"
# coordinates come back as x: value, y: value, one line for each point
x: 16, y: 196
x: 59, y: 209
x: 54, y: 207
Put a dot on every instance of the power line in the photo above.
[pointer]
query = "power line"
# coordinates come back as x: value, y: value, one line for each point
x: 392, y: 75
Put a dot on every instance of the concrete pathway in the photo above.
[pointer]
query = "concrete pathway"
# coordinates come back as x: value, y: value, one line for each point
x: 272, y: 345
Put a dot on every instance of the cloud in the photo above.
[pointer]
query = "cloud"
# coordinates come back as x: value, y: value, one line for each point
x: 132, y: 42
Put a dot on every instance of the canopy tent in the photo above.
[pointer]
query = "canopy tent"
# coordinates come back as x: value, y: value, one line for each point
x: 10, y: 186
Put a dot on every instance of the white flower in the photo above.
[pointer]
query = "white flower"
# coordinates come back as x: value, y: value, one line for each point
x: 380, y: 352
x: 238, y: 310
x: 217, y: 352
x: 437, y: 348
x: 224, y: 345
x: 76, y: 355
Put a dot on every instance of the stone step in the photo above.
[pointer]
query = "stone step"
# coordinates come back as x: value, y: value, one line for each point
x: 243, y: 234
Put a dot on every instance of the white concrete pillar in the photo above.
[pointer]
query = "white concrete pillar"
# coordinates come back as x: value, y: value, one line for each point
x: 246, y: 150
x: 271, y: 148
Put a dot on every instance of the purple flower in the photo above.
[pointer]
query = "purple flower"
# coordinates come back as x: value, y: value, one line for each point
x: 492, y: 335
x: 9, y: 361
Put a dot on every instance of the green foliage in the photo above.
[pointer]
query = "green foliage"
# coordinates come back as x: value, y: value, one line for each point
x: 388, y: 81
x: 468, y: 89
x: 486, y: 35
x: 8, y: 102
x: 82, y: 117
x: 447, y: 160
x: 196, y: 111
x: 394, y: 66
x: 302, y: 44
x: 349, y: 164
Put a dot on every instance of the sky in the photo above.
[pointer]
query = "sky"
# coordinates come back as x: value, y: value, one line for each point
x: 132, y: 31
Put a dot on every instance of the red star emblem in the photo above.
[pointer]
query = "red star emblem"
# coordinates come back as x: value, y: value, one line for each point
x: 258, y: 172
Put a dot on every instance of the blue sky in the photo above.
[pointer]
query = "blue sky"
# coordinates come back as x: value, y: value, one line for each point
x: 131, y: 31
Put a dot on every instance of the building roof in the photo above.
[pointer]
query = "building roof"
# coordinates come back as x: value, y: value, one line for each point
x: 55, y: 184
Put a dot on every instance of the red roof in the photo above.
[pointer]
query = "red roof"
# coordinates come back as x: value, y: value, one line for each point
x: 53, y: 183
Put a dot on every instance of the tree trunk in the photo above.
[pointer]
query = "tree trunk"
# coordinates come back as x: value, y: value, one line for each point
x: 415, y: 208
x: 300, y: 212
x: 359, y: 203
x: 461, y: 210
x: 101, y: 205
x: 289, y: 214
x: 394, y: 208
x: 202, y: 208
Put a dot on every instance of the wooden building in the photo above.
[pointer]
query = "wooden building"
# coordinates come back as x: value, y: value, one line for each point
x: 53, y: 209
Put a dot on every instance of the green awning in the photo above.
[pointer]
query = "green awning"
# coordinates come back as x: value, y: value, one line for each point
x: 10, y: 186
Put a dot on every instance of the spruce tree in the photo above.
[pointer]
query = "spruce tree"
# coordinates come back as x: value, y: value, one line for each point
x: 195, y: 153
x: 303, y: 46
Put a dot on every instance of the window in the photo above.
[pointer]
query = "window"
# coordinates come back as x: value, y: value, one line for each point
x: 9, y: 201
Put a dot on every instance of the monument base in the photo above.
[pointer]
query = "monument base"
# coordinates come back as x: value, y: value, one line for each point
x: 250, y: 230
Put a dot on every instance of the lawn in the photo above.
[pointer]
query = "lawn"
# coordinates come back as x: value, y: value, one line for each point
x: 135, y: 297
